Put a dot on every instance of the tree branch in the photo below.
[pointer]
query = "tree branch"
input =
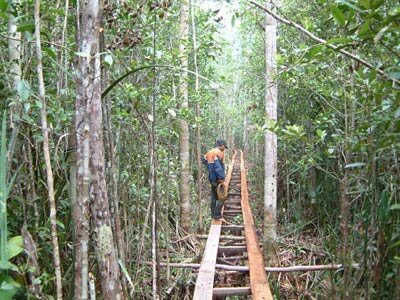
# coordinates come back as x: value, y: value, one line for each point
x: 324, y: 42
x: 245, y: 269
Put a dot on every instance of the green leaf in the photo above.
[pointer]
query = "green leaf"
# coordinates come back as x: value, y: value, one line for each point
x: 395, y: 206
x: 15, y: 246
x: 394, y: 74
x: 27, y: 106
x: 172, y: 112
x: 365, y: 29
x: 394, y: 11
x: 355, y: 165
x: 376, y: 3
x: 26, y: 26
x: 60, y: 224
x: 23, y: 90
x: 350, y: 5
x: 13, y: 267
x: 50, y: 52
x: 365, y: 3
x: 380, y: 33
x: 39, y: 104
x: 314, y: 51
x: 339, y: 40
x: 3, y: 5
x: 340, y: 18
x: 108, y: 59
x: 8, y: 288
x: 321, y: 133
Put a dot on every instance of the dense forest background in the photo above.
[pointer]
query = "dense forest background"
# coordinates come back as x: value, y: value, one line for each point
x: 99, y: 148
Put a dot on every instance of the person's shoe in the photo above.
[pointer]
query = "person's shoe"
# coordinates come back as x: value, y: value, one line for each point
x: 221, y: 219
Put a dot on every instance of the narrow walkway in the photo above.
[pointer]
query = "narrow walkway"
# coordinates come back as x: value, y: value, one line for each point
x: 238, y: 246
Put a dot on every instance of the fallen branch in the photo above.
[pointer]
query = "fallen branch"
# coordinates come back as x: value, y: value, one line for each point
x: 245, y: 269
x: 324, y: 42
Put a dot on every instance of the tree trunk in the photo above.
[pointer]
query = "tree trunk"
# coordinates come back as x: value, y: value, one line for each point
x: 46, y: 151
x: 345, y: 201
x: 84, y: 94
x: 270, y: 158
x: 184, y: 127
x: 109, y: 273
x: 198, y: 116
x: 62, y: 78
x: 14, y: 57
x: 120, y: 241
x: 153, y: 183
x: 89, y: 127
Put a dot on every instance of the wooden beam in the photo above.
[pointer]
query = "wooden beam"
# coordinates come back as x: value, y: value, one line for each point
x: 233, y: 211
x: 232, y: 291
x: 260, y: 289
x: 223, y: 237
x: 205, y: 279
x: 232, y: 227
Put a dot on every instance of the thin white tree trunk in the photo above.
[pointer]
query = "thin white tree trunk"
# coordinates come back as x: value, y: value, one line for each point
x: 184, y: 127
x: 46, y: 150
x: 153, y: 185
x: 62, y: 79
x: 270, y: 158
x: 14, y: 57
x: 14, y: 48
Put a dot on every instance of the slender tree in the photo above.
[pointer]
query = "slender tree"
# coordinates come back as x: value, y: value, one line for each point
x: 198, y: 116
x: 90, y: 156
x: 84, y: 94
x: 270, y: 158
x: 184, y: 127
x: 105, y: 251
x: 62, y: 78
x: 153, y: 198
x: 46, y: 152
x: 14, y: 56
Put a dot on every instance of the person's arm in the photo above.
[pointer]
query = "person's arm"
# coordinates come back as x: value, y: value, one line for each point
x: 219, y: 171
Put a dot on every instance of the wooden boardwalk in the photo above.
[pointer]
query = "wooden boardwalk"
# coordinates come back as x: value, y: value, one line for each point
x: 238, y: 247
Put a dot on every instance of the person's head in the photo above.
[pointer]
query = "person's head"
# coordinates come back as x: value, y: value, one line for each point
x: 221, y: 144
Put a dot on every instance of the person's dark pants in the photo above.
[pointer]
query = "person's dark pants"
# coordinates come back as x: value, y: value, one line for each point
x: 216, y: 205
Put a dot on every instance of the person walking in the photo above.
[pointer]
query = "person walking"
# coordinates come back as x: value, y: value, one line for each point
x: 214, y: 160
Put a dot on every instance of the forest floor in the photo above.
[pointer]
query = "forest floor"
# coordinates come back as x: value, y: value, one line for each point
x: 301, y: 249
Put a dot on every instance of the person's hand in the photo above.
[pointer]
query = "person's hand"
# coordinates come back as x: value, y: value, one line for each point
x: 220, y: 180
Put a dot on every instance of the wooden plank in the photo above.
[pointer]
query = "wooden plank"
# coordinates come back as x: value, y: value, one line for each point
x: 232, y: 211
x: 223, y: 237
x: 205, y: 278
x: 232, y: 291
x: 258, y: 278
x: 231, y: 249
x: 232, y: 227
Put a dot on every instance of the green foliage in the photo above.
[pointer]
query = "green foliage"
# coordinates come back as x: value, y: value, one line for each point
x: 319, y: 91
